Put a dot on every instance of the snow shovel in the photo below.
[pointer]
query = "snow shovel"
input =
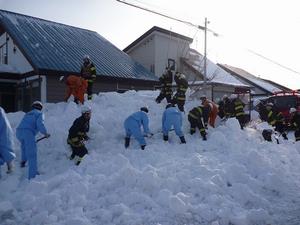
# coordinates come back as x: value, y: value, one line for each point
x: 40, y: 139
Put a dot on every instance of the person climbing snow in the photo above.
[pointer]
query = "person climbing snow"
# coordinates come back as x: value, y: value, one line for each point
x: 7, y: 154
x: 88, y: 72
x: 133, y: 125
x: 172, y: 118
x: 182, y: 86
x: 78, y: 134
x: 195, y: 117
x: 76, y: 86
x: 166, y: 90
x: 31, y: 124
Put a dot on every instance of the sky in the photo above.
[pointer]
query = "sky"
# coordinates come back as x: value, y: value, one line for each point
x: 267, y: 28
x: 235, y: 177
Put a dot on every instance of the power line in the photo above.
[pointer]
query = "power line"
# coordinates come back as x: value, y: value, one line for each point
x: 272, y: 61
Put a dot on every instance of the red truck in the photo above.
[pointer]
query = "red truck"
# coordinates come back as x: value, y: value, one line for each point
x: 284, y: 100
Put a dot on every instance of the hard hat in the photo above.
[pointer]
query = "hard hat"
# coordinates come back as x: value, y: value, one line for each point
x: 270, y: 104
x: 203, y: 97
x: 292, y: 110
x: 145, y: 109
x: 37, y: 105
x: 225, y: 96
x: 86, y: 109
x: 233, y: 96
x: 86, y: 58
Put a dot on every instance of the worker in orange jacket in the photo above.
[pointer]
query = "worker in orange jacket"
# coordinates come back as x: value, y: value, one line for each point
x: 76, y: 86
x: 212, y: 108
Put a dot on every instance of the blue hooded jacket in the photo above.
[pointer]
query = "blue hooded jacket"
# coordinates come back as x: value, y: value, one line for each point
x: 172, y: 117
x: 6, y: 139
x: 33, y: 121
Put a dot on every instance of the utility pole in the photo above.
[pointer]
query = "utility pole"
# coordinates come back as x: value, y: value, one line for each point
x: 204, y: 58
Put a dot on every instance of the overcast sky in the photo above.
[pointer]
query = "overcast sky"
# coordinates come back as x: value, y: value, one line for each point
x: 270, y: 28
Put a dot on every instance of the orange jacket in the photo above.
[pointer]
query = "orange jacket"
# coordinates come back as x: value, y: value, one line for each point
x: 76, y: 86
x: 213, y: 111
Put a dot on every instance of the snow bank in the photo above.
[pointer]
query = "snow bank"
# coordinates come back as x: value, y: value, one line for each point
x: 232, y: 178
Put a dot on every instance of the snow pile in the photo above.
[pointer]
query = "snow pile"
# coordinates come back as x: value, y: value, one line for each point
x: 233, y: 178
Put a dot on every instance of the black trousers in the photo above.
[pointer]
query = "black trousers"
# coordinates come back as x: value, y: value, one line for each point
x: 196, y: 124
x: 90, y: 90
x: 79, y: 151
x: 162, y: 95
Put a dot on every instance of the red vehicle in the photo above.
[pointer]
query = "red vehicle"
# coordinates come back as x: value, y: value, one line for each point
x: 284, y: 100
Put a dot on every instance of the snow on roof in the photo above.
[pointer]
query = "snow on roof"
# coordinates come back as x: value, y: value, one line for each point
x: 214, y: 72
x: 254, y: 79
x: 4, y: 68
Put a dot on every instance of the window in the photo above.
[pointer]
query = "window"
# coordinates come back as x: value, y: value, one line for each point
x: 171, y: 64
x: 152, y: 68
x: 3, y: 54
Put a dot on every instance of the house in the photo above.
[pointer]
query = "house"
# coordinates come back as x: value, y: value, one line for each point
x: 34, y: 53
x: 259, y: 87
x: 159, y: 48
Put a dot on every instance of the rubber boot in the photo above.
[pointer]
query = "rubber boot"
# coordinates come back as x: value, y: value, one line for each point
x: 165, y: 137
x: 22, y: 164
x: 10, y: 167
x: 182, y: 139
x: 284, y: 136
x: 127, y: 142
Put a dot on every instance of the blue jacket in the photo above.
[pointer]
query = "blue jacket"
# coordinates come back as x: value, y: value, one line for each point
x: 33, y: 121
x: 172, y: 117
x: 140, y: 118
x: 6, y: 139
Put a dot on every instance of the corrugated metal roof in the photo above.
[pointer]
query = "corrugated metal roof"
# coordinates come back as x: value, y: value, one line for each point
x: 261, y: 83
x: 58, y: 47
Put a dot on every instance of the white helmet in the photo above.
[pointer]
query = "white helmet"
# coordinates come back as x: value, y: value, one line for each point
x: 233, y: 96
x: 85, y: 109
x: 269, y: 104
x: 37, y: 105
x: 86, y: 58
x: 292, y: 110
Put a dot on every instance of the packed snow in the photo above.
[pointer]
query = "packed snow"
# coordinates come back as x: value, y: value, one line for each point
x: 233, y: 178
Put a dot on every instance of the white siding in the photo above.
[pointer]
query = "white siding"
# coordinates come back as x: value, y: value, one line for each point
x: 168, y: 47
x: 143, y: 52
x: 156, y: 49
x: 15, y: 58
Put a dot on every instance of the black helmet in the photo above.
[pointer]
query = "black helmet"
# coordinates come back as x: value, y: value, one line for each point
x: 37, y: 105
x: 145, y: 109
x: 169, y: 105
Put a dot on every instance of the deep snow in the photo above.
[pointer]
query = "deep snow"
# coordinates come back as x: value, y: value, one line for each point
x: 233, y: 178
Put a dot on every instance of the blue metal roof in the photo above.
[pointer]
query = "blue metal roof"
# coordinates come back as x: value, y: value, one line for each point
x: 51, y: 46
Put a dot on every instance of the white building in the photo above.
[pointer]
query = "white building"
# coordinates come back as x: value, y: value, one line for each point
x: 158, y: 48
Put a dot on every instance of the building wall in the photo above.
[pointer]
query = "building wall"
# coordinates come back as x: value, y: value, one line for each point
x: 144, y: 53
x: 15, y: 57
x: 155, y: 50
x: 56, y: 90
x: 168, y: 47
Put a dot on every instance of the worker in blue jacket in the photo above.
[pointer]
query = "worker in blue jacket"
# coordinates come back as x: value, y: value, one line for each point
x: 31, y: 124
x: 172, y: 117
x: 133, y: 125
x: 7, y: 154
